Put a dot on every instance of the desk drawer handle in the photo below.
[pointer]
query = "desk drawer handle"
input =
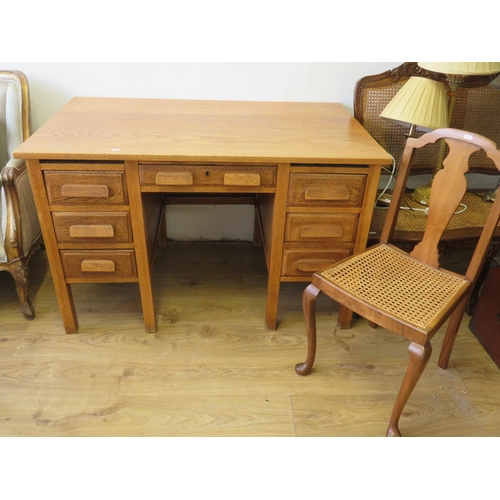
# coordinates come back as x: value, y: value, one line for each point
x: 92, y: 231
x: 337, y: 193
x: 98, y: 266
x: 321, y: 232
x: 85, y: 191
x: 174, y: 179
x: 241, y: 179
x: 311, y: 266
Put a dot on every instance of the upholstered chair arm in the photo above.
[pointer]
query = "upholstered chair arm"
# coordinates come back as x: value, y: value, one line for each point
x: 20, y: 225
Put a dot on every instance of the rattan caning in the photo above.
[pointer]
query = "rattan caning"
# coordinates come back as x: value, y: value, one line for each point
x: 397, y: 284
x: 411, y: 217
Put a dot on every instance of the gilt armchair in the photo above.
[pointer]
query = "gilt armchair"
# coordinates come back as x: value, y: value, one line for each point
x: 20, y: 229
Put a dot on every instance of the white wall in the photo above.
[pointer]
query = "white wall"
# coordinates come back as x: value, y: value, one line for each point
x: 52, y: 85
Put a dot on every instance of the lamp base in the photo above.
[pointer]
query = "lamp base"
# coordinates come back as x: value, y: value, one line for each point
x: 491, y: 195
x: 422, y: 195
x: 384, y: 200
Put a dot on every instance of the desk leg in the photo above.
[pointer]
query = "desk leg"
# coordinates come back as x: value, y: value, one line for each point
x: 275, y: 241
x: 272, y: 305
x: 140, y: 245
x: 63, y: 290
x: 67, y: 308
x: 345, y: 315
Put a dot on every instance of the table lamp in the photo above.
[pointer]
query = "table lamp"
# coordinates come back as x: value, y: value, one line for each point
x: 455, y: 74
x: 421, y: 103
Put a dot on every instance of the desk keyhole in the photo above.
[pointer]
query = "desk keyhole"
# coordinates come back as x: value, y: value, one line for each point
x: 207, y: 173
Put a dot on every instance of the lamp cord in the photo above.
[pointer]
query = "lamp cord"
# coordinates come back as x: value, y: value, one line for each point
x: 392, y: 174
x: 426, y: 210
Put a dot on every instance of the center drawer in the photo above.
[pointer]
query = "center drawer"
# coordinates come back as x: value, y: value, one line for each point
x: 178, y: 176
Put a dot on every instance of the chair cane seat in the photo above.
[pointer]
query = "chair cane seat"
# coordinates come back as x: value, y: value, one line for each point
x: 397, y: 284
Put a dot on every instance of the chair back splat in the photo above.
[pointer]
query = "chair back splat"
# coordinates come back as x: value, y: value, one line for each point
x: 409, y: 293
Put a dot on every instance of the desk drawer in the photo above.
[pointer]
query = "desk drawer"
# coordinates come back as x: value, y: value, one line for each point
x: 103, y: 265
x: 189, y: 176
x: 302, y: 260
x: 77, y: 187
x: 321, y: 227
x: 92, y: 227
x: 343, y: 190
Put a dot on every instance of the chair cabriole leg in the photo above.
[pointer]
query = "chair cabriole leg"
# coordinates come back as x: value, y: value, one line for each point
x: 419, y: 357
x: 19, y: 272
x: 309, y: 305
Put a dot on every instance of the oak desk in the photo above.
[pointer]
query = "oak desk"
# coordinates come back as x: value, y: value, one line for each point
x: 100, y: 166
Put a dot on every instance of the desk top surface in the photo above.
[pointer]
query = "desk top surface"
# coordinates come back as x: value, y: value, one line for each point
x: 182, y: 130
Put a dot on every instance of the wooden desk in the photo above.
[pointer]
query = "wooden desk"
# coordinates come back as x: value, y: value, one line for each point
x: 100, y: 166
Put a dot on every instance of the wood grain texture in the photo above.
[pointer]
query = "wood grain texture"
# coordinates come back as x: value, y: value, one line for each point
x: 279, y: 132
x: 212, y: 369
x: 194, y: 147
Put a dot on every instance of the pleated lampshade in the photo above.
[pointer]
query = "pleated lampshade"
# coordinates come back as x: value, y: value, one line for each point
x: 462, y: 68
x: 421, y: 102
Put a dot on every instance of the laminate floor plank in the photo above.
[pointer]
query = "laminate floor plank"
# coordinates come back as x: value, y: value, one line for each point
x: 212, y: 369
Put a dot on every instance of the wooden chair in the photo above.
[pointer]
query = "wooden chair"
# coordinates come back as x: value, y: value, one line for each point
x: 476, y: 109
x: 409, y: 294
x: 20, y: 233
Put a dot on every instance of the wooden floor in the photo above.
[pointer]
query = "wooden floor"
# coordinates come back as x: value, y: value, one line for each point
x: 212, y: 369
